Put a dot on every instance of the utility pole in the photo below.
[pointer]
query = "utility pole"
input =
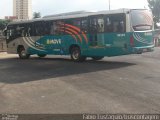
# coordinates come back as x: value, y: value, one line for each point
x: 109, y: 4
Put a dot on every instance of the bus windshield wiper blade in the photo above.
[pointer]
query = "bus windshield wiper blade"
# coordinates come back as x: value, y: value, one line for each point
x: 139, y: 25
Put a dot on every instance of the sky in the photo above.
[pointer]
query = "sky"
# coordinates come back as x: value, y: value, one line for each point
x: 49, y: 7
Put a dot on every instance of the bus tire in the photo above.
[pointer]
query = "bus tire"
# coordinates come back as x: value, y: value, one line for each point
x: 76, y: 55
x: 22, y: 53
x: 41, y: 55
x: 98, y: 58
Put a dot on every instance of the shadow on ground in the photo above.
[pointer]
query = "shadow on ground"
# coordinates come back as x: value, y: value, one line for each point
x: 14, y: 70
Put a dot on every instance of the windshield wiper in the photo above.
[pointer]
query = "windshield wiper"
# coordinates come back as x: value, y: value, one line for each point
x: 140, y: 25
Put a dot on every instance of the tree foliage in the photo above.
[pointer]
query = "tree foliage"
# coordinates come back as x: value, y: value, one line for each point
x: 154, y: 5
x: 36, y: 15
x: 3, y: 24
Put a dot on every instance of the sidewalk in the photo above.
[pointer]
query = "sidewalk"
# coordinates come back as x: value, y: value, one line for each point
x: 6, y: 55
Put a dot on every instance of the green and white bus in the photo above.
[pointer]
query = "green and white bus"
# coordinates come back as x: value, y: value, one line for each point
x: 83, y: 34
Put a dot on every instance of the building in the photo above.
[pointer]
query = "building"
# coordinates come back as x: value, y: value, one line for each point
x: 11, y: 18
x: 22, y: 9
x: 1, y: 18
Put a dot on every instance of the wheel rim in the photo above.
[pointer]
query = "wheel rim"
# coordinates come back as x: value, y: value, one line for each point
x: 23, y: 53
x: 75, y: 54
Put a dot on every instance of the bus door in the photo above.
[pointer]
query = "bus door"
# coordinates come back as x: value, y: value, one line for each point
x: 96, y: 28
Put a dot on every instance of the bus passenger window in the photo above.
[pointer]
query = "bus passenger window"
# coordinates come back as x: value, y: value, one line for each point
x: 47, y: 27
x: 26, y: 32
x: 56, y: 28
x: 52, y: 28
x: 11, y: 33
x: 18, y: 31
x: 93, y: 25
x: 84, y: 26
x: 121, y: 27
x: 108, y: 27
x: 115, y: 23
x: 118, y: 26
x: 115, y: 26
x: 100, y: 25
x: 77, y: 23
x: 29, y: 31
x: 39, y: 30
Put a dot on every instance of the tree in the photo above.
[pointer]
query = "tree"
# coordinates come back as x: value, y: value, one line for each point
x: 36, y: 15
x: 154, y: 5
x: 3, y: 24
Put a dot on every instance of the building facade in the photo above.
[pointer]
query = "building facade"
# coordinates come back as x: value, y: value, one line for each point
x: 3, y: 46
x: 11, y: 18
x: 22, y: 9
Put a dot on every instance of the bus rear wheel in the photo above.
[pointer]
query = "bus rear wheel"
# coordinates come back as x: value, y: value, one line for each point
x: 76, y: 55
x: 98, y: 58
x: 23, y: 54
x: 41, y: 55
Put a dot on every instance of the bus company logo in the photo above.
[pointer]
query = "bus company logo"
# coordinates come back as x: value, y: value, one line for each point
x: 55, y: 41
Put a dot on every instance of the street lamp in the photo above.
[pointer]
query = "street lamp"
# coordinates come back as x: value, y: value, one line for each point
x: 109, y: 5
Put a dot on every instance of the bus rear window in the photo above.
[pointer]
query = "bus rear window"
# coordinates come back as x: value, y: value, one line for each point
x: 141, y: 20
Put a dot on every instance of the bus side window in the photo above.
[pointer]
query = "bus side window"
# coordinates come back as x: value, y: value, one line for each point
x: 56, y: 28
x: 84, y: 25
x: 93, y: 25
x: 47, y: 27
x: 31, y: 29
x: 115, y: 23
x: 100, y: 26
x: 39, y: 30
x: 77, y: 23
x: 81, y: 23
x: 27, y: 31
x: 8, y: 34
x: 52, y: 31
x: 11, y: 33
x: 121, y: 27
x: 108, y: 26
x: 115, y: 26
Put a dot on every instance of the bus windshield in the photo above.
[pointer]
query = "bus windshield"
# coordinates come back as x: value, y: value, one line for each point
x: 141, y: 20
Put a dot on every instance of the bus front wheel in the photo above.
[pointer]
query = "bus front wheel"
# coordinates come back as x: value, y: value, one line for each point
x: 98, y: 58
x: 76, y: 55
x: 23, y: 54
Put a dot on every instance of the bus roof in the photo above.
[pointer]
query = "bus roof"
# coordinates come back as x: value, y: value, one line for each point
x: 77, y: 14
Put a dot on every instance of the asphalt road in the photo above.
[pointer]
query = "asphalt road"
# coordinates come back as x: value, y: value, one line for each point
x: 125, y: 84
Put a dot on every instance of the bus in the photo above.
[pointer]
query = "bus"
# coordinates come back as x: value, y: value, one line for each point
x: 83, y: 34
